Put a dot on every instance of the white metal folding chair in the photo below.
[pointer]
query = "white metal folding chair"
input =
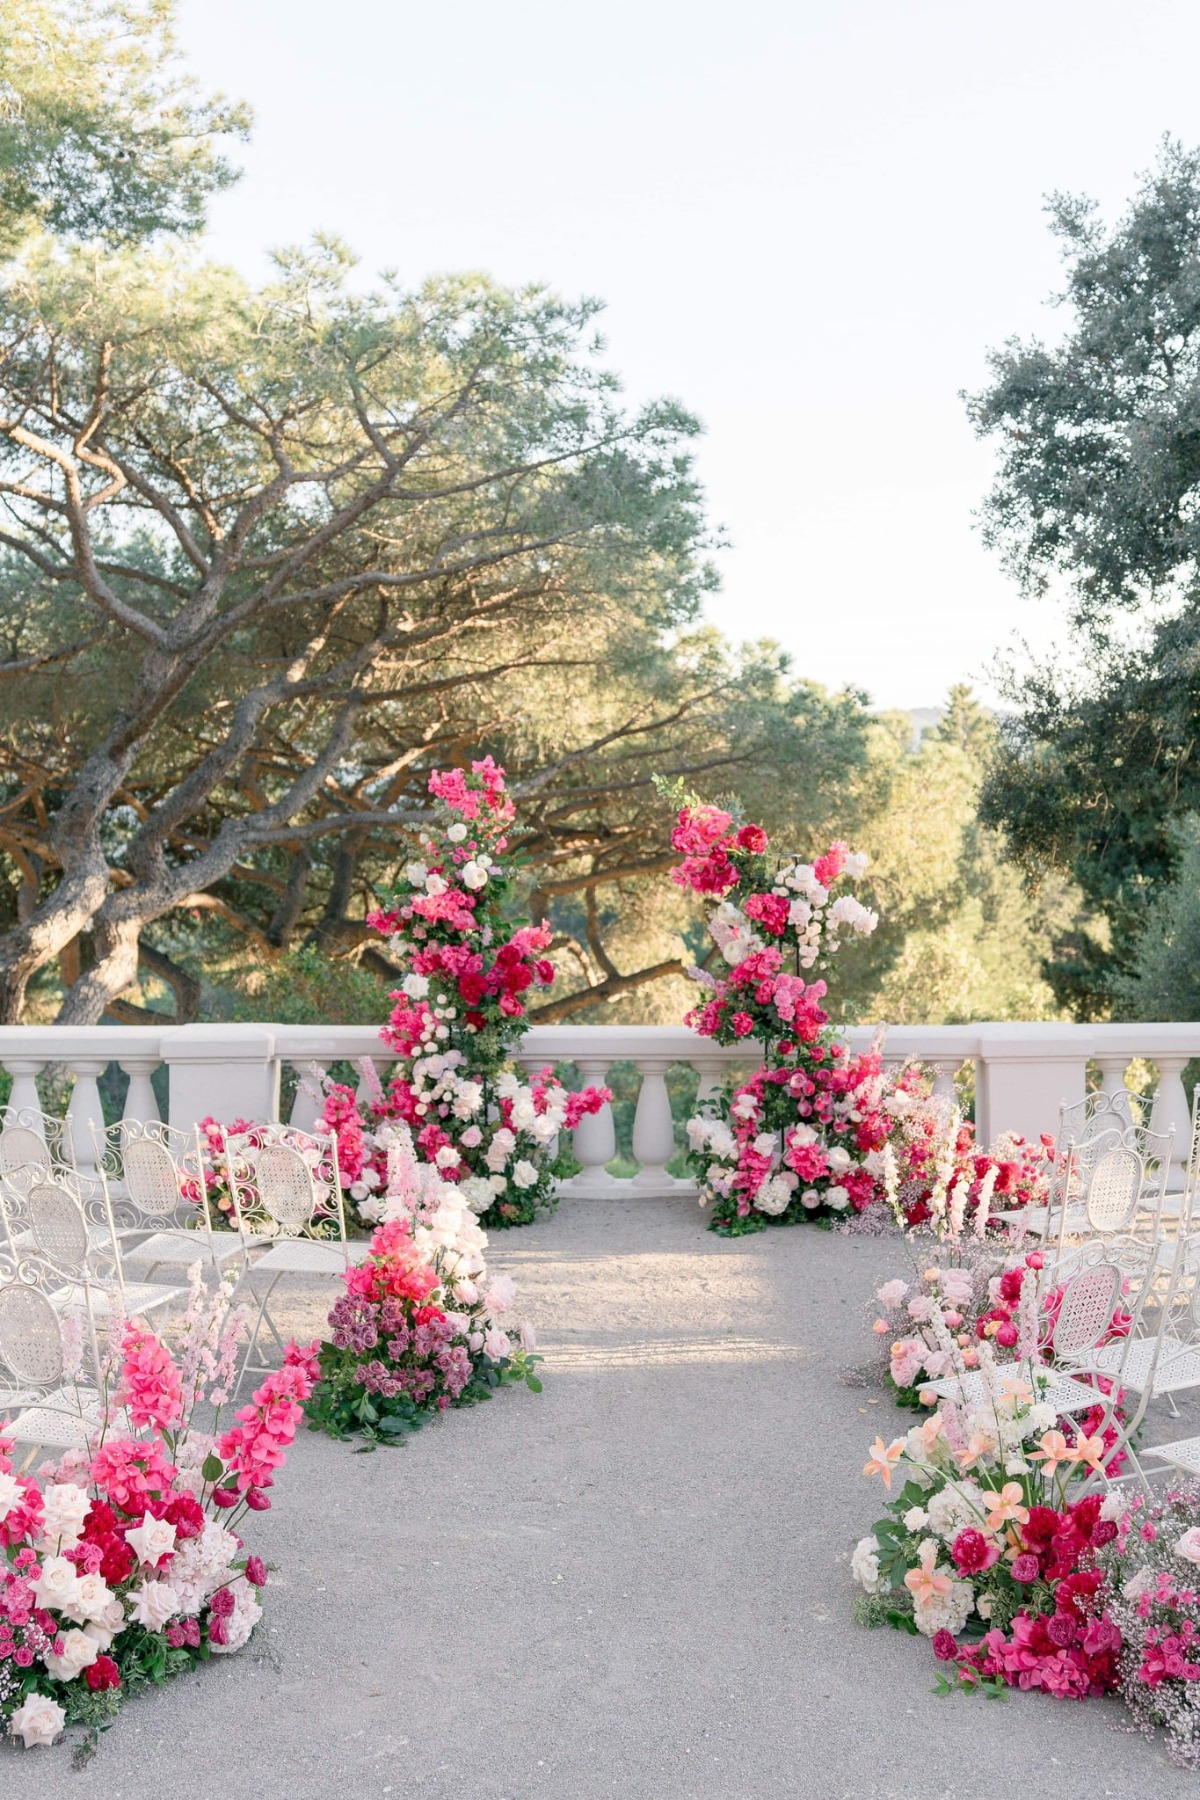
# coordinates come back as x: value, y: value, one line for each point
x: 30, y: 1139
x: 287, y: 1191
x: 56, y: 1411
x: 157, y: 1194
x: 47, y: 1216
x: 1113, y: 1189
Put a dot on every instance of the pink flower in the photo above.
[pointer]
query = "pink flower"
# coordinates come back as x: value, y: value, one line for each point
x: 150, y: 1387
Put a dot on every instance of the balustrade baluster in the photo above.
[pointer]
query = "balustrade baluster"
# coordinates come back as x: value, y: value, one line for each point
x: 594, y: 1139
x: 653, y: 1126
x: 1171, y: 1108
x: 1112, y: 1083
x: 24, y: 1081
x: 140, y: 1102
x: 85, y: 1112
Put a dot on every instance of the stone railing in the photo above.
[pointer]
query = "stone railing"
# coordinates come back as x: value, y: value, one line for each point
x: 1023, y: 1073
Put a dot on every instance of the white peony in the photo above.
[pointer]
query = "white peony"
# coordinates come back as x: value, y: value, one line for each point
x: 415, y: 986
x: 838, y: 1197
x: 864, y: 1564
x: 37, y: 1721
x: 773, y: 1197
x: 476, y: 1190
x: 916, y: 1519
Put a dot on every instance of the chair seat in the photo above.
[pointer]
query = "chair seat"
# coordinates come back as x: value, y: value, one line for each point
x: 62, y: 1420
x: 1062, y: 1392
x: 1184, y: 1454
x: 140, y: 1297
x: 1178, y: 1364
x: 305, y: 1256
x: 183, y: 1248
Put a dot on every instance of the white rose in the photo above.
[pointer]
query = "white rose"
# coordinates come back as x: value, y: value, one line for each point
x: 839, y: 1160
x: 92, y: 1599
x: 66, y: 1507
x: 447, y: 1157
x: 151, y: 1540
x: 466, y: 1293
x: 525, y: 1175
x: 78, y: 1653
x: 502, y: 1291
x: 11, y: 1494
x: 524, y: 1112
x: 37, y: 1721
x: 415, y: 986
x: 496, y: 1344
x: 472, y: 1137
x: 499, y: 1184
x: 474, y: 876
x: 103, y: 1630
x: 415, y: 873
x: 457, y: 832
x: 766, y: 1144
x: 435, y: 885
x: 810, y: 1199
x: 58, y: 1583
x: 467, y: 1100
x: 856, y: 865
x: 476, y: 1190
x: 1188, y: 1546
x: 153, y: 1604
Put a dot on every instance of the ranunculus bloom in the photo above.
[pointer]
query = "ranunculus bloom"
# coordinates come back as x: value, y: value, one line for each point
x: 103, y: 1673
x: 973, y: 1553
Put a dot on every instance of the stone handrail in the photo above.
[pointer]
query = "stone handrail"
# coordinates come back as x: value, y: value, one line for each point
x: 1023, y: 1073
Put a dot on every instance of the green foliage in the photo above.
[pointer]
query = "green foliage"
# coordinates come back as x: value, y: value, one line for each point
x: 1096, y: 492
x: 305, y: 987
x: 102, y: 136
x: 1163, y: 981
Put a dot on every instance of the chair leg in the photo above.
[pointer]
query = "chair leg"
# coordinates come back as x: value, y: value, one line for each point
x: 248, y: 1364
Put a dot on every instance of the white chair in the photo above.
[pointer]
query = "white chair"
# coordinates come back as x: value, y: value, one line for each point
x: 30, y: 1139
x: 1113, y: 1189
x: 157, y: 1194
x: 56, y: 1412
x: 287, y: 1192
x: 47, y: 1216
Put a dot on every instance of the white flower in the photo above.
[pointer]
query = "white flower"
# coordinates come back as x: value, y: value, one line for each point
x: 242, y: 1620
x: 58, y: 1584
x: 839, y: 1160
x: 955, y: 1507
x: 37, y: 1721
x: 91, y: 1600
x: 11, y: 1494
x: 435, y: 885
x: 528, y: 1336
x: 447, y: 1157
x: 837, y: 1197
x: 151, y: 1540
x: 944, y: 1612
x: 471, y: 1138
x: 78, y: 1653
x: 773, y: 1197
x: 66, y: 1507
x: 415, y: 986
x: 697, y: 1132
x: 525, y: 1175
x: 810, y: 1199
x: 721, y: 1141
x: 154, y: 1603
x: 499, y: 1184
x: 502, y: 1291
x: 1040, y: 1418
x: 864, y: 1564
x: 1113, y: 1506
x: 198, y: 1566
x: 467, y: 1101
x: 500, y: 1149
x: 474, y: 876
x: 457, y: 832
x: 916, y: 1519
x: 496, y: 1344
x: 104, y: 1629
x: 1139, y: 1584
x: 476, y: 1190
x: 856, y: 865
x: 766, y: 1144
x: 415, y: 873
x: 1188, y: 1546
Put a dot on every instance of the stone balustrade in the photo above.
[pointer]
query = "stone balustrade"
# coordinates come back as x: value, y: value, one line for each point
x: 1023, y: 1074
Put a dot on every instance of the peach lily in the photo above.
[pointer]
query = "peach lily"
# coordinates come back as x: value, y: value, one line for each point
x: 884, y: 1459
x: 928, y: 1581
x: 1007, y: 1504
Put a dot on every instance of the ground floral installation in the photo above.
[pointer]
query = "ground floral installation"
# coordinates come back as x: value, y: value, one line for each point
x: 935, y: 1174
x: 801, y: 1138
x: 124, y: 1561
x: 421, y: 1326
x: 458, y: 1018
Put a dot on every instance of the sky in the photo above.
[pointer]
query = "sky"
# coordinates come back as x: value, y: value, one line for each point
x: 809, y: 222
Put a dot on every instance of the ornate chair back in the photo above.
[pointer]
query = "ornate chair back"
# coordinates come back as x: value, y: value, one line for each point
x: 30, y: 1336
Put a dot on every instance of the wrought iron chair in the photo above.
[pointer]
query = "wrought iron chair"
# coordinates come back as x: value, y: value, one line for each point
x: 30, y: 1139
x: 287, y: 1193
x: 154, y: 1183
x: 56, y: 1411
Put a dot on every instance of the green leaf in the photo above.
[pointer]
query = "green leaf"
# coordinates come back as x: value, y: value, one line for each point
x: 533, y: 1384
x: 212, y: 1468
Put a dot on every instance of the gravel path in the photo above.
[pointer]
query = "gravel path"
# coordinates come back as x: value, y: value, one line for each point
x: 634, y: 1585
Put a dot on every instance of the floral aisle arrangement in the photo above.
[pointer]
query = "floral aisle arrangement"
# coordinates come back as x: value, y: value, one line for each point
x: 800, y: 1139
x: 421, y: 1327
x: 124, y: 1562
x: 458, y: 1019
x: 936, y: 1175
x: 1151, y: 1568
x: 991, y: 1549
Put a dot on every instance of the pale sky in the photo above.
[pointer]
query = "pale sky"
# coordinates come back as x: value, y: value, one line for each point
x: 809, y: 221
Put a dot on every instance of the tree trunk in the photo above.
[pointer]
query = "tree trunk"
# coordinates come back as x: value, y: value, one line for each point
x: 49, y: 929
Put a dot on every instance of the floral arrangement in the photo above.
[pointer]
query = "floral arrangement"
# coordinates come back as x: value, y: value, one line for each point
x: 801, y: 1138
x: 457, y: 1020
x: 420, y: 1327
x: 124, y: 1563
x: 1151, y: 1567
x: 936, y: 1175
x: 988, y: 1546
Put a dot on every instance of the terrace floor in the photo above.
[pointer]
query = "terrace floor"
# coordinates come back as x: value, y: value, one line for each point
x: 633, y: 1585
